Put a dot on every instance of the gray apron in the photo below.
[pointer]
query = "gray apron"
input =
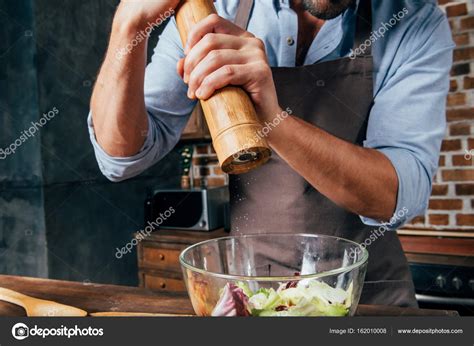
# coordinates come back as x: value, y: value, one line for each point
x: 336, y: 96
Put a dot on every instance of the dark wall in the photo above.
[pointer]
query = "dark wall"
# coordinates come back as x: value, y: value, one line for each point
x: 52, y: 186
x: 22, y: 224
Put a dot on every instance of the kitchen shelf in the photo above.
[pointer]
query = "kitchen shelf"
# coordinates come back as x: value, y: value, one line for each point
x: 438, y: 245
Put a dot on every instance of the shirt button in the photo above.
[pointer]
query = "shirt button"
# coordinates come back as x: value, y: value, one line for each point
x: 290, y: 41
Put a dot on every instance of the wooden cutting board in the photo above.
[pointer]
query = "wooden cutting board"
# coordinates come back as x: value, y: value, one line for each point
x: 94, y: 297
x: 98, y: 297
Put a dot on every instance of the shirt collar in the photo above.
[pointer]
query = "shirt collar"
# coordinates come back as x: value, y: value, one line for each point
x: 330, y: 39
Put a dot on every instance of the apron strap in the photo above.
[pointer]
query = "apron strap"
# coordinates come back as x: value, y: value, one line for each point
x: 364, y: 26
x: 243, y: 13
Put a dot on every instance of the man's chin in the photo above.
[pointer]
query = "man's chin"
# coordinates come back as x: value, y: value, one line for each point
x: 327, y: 9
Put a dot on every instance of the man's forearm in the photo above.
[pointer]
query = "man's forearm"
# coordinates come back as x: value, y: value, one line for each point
x: 118, y: 106
x: 359, y: 179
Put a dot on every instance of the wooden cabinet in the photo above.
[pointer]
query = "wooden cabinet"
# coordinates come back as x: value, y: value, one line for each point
x: 158, y: 258
x: 165, y: 257
x: 158, y: 283
x: 196, y: 127
x: 438, y: 250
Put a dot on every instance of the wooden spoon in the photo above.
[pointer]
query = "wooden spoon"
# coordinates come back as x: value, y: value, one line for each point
x: 35, y: 307
x: 134, y: 314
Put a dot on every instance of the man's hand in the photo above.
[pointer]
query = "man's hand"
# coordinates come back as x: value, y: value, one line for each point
x: 142, y: 12
x: 218, y: 54
x: 118, y: 102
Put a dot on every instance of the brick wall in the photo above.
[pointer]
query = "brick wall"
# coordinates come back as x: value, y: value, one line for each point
x: 205, y: 165
x: 452, y: 203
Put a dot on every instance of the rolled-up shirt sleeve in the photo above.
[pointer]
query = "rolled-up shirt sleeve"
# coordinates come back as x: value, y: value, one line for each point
x: 168, y: 110
x: 408, y: 119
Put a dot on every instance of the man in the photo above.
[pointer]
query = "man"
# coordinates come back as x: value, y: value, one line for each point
x: 365, y: 83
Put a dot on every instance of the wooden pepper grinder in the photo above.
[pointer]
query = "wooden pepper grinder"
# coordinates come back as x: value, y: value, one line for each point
x: 230, y: 114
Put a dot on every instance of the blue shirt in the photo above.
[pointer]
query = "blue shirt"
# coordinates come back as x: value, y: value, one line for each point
x: 411, y: 80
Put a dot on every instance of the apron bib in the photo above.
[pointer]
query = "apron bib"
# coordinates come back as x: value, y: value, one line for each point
x: 336, y: 96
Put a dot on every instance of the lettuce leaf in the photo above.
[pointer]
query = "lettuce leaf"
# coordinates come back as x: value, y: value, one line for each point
x: 313, y: 298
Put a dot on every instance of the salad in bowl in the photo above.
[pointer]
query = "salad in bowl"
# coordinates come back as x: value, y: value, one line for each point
x: 314, y: 298
x: 275, y: 276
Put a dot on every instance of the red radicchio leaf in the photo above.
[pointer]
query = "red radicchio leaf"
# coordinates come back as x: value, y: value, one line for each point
x: 233, y: 302
x: 292, y: 284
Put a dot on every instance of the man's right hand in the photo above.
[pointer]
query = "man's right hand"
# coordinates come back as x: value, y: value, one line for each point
x: 143, y: 12
x: 118, y: 102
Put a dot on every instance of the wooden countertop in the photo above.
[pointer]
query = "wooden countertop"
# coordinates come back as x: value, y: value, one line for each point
x: 457, y: 252
x: 98, y: 297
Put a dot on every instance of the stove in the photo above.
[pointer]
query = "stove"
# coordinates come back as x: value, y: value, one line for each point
x: 442, y: 286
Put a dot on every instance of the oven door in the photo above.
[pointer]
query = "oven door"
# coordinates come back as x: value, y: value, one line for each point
x: 445, y: 287
x: 465, y: 306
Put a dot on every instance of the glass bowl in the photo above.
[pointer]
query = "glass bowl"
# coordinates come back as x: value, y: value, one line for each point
x: 275, y: 275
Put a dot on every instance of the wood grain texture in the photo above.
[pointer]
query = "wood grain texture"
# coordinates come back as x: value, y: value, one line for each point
x: 158, y: 257
x: 438, y: 245
x: 458, y: 261
x: 183, y: 237
x: 94, y: 297
x: 230, y: 114
x: 111, y: 298
x: 135, y: 314
x: 35, y: 307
